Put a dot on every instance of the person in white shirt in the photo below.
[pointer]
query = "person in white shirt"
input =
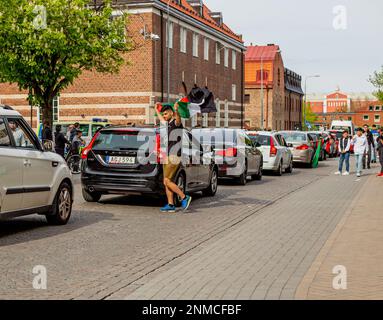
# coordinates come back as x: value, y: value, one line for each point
x: 344, y: 150
x: 360, y: 149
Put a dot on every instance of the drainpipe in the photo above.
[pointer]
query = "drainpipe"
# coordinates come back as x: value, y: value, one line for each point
x: 162, y: 56
x: 242, y: 89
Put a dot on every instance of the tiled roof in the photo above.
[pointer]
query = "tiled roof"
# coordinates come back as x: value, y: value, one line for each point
x: 254, y: 53
x: 205, y: 18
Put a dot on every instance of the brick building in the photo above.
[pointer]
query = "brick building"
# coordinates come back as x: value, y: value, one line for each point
x: 203, y: 50
x: 282, y: 93
x: 361, y: 108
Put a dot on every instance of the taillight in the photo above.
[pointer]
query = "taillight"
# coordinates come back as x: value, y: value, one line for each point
x: 273, y: 149
x: 303, y: 147
x: 158, y: 148
x: 85, y: 151
x: 229, y: 152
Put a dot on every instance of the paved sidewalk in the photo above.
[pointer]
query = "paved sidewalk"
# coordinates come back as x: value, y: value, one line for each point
x: 357, y: 245
x: 264, y: 257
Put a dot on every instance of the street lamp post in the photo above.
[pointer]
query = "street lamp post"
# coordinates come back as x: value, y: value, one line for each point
x: 262, y: 93
x: 305, y: 99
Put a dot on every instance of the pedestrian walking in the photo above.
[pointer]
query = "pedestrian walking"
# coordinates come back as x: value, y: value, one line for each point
x: 60, y: 141
x: 344, y: 150
x: 171, y: 121
x: 360, y: 149
x: 370, y: 146
x: 73, y: 132
x: 380, y: 152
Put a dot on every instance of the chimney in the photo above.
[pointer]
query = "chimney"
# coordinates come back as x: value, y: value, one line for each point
x: 217, y: 17
x: 197, y: 6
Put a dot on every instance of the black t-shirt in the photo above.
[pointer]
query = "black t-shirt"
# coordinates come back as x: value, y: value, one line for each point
x: 174, y: 137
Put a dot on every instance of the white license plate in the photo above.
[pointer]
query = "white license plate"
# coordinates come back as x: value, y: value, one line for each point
x: 121, y: 160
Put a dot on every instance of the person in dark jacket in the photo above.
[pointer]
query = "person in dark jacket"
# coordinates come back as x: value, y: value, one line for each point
x: 380, y: 151
x: 371, y: 146
x: 73, y: 132
x: 60, y: 141
x: 47, y: 132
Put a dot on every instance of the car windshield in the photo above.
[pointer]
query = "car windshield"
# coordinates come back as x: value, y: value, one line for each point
x: 263, y: 140
x: 123, y: 139
x: 291, y: 137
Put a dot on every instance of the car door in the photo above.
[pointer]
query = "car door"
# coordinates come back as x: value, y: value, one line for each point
x: 281, y: 149
x: 190, y: 160
x: 38, y: 169
x: 11, y: 168
x: 251, y: 154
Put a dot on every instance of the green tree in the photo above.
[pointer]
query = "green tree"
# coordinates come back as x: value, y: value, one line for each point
x: 309, y: 115
x: 46, y: 44
x: 377, y: 80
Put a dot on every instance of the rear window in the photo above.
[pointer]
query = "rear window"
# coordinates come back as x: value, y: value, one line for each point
x: 123, y: 140
x: 294, y: 136
x: 261, y: 139
x: 216, y: 137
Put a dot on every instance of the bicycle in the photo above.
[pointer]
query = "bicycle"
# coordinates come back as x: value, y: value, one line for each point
x: 74, y: 162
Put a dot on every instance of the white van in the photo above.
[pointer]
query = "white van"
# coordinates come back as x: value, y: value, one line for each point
x: 343, y: 125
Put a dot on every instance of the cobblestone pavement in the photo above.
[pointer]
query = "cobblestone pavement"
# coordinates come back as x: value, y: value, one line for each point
x: 268, y: 232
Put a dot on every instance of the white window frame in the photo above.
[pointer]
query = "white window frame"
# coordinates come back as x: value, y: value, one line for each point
x: 234, y: 92
x: 218, y: 114
x: 217, y: 53
x: 226, y: 57
x: 377, y: 118
x: 206, y: 49
x: 234, y: 60
x: 183, y: 40
x: 366, y: 117
x: 170, y: 41
x: 195, y: 44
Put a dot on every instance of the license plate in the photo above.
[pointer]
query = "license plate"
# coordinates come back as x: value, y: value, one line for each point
x: 121, y: 160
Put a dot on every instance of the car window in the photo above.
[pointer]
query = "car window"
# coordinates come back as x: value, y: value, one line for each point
x: 22, y: 137
x: 95, y: 128
x: 279, y: 139
x: 263, y: 140
x: 284, y: 143
x: 85, y: 129
x: 297, y: 137
x: 5, y: 141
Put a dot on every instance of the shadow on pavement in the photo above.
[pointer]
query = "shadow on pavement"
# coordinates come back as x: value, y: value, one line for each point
x: 34, y: 227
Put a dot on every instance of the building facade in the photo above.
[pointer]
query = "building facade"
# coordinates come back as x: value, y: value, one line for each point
x: 201, y: 50
x: 361, y: 108
x: 282, y: 93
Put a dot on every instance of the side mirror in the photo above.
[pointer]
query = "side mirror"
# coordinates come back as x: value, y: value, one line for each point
x: 48, y: 146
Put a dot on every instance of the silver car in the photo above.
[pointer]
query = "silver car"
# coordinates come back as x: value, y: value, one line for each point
x: 302, y: 146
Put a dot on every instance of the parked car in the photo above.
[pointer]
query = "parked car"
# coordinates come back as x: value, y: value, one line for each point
x: 235, y: 153
x: 112, y: 164
x: 277, y: 156
x: 32, y: 180
x: 319, y: 136
x: 301, y: 146
x: 337, y: 135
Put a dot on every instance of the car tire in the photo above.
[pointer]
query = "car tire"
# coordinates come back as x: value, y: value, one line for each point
x: 289, y: 169
x: 62, y: 206
x: 91, y: 196
x: 242, y: 179
x: 279, y: 171
x: 181, y: 183
x: 212, y: 189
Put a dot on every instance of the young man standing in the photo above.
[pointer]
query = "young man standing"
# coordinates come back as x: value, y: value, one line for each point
x: 370, y: 147
x: 344, y: 149
x: 380, y: 152
x: 360, y: 149
x: 172, y: 122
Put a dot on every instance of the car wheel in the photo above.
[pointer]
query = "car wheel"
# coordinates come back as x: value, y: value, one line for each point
x: 62, y: 206
x: 242, y: 179
x: 180, y: 182
x: 289, y: 169
x: 279, y: 171
x: 212, y: 189
x: 91, y: 196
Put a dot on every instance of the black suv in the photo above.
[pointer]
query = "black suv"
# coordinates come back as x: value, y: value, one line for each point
x: 126, y: 160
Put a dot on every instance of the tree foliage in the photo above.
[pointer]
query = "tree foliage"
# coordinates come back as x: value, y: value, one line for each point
x: 46, y: 44
x: 377, y: 80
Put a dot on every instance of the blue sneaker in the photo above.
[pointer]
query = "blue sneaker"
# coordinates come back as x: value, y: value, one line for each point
x: 185, y: 203
x: 168, y: 208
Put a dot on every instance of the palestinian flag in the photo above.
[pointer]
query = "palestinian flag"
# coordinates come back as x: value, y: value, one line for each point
x: 317, y: 155
x: 183, y: 108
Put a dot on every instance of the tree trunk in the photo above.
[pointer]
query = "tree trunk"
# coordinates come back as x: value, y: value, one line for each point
x: 47, y: 113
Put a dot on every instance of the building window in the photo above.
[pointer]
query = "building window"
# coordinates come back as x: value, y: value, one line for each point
x: 218, y: 114
x: 56, y: 109
x: 247, y: 98
x: 279, y: 77
x: 226, y: 114
x: 217, y: 53
x: 377, y: 118
x: 371, y: 108
x: 349, y: 118
x: 226, y: 57
x: 169, y: 30
x: 366, y: 117
x: 195, y: 44
x: 206, y: 49
x: 377, y: 108
x: 234, y: 92
x: 183, y: 39
x: 265, y: 75
x: 234, y: 60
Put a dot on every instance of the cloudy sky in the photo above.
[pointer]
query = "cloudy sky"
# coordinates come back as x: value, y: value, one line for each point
x: 310, y: 43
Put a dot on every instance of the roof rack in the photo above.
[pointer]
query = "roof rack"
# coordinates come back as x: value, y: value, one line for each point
x: 6, y: 107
